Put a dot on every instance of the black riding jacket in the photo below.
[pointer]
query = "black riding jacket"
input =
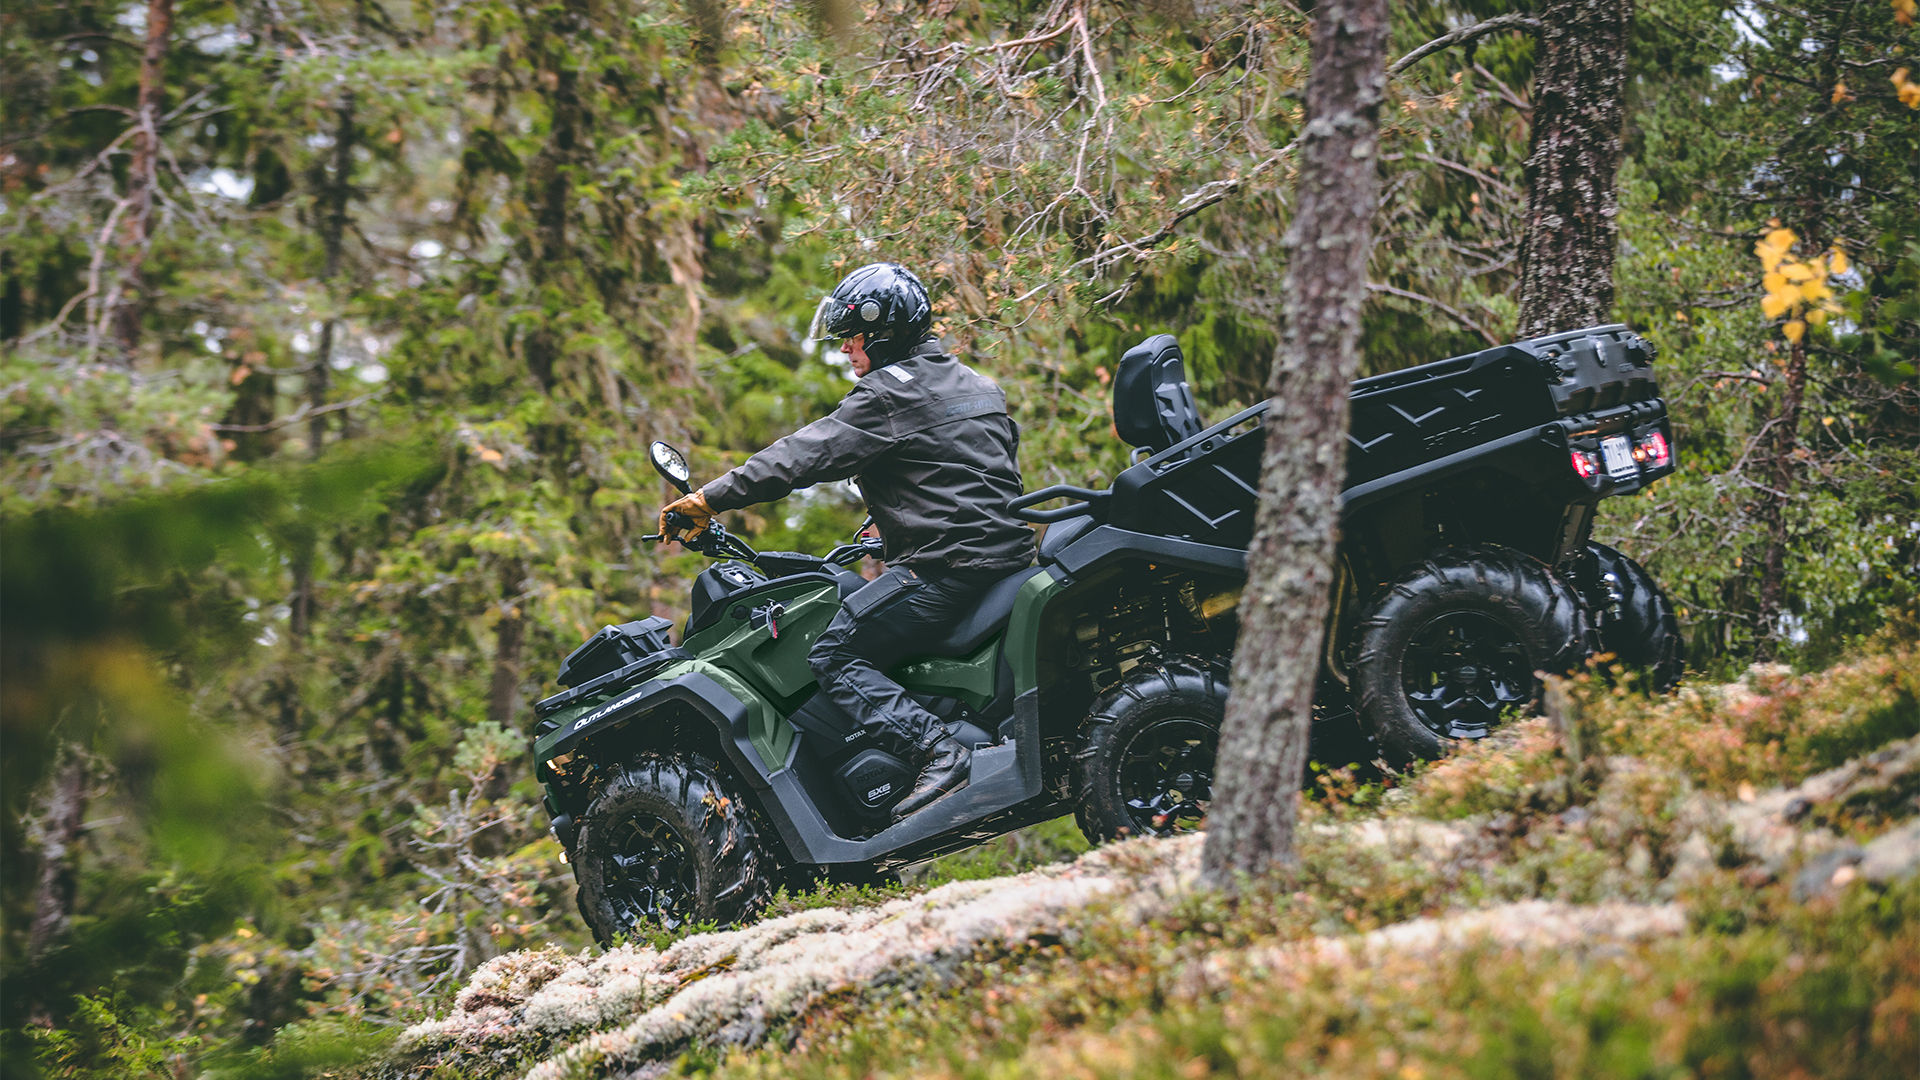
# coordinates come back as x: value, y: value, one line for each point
x: 935, y: 454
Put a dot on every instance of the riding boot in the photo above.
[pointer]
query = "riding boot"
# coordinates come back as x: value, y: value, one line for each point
x: 944, y: 769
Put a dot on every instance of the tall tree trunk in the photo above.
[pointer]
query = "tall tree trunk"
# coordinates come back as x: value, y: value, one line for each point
x: 1572, y: 227
x: 129, y: 301
x: 1783, y: 439
x: 59, y: 835
x: 1263, y: 745
x: 509, y: 645
x: 333, y: 231
x: 549, y: 181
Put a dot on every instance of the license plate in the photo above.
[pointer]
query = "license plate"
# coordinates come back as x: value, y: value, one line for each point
x: 1619, y: 458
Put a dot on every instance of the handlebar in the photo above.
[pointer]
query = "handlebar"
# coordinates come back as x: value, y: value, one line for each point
x: 713, y: 541
x: 854, y: 552
x: 716, y: 543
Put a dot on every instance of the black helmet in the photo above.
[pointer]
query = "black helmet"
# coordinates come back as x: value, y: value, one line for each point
x: 885, y: 302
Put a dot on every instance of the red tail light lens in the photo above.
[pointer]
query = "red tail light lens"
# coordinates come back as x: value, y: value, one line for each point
x: 1584, y: 464
x: 1655, y: 449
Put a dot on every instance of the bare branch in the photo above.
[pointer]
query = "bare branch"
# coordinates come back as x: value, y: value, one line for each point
x: 1452, y: 312
x: 1190, y: 204
x: 1464, y: 170
x: 1465, y: 34
x: 298, y: 415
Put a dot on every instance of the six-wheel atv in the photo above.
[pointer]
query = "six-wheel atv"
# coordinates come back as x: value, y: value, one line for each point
x: 687, y: 783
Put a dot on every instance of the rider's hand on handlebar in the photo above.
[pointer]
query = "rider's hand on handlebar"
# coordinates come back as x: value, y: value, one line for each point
x: 692, y: 512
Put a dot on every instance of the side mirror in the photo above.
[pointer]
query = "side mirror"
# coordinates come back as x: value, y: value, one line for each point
x: 669, y: 463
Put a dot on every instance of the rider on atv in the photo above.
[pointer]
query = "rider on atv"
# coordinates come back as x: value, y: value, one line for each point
x: 935, y: 453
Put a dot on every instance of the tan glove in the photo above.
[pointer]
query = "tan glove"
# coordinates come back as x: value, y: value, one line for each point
x: 693, y: 506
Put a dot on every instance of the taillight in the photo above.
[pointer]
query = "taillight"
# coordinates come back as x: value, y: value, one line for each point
x: 1585, y: 464
x: 1653, y: 449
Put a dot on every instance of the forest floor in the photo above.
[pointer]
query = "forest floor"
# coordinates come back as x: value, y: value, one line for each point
x: 1727, y: 885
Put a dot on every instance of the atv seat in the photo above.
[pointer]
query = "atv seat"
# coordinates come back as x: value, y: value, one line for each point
x: 986, y: 619
x: 1153, y: 406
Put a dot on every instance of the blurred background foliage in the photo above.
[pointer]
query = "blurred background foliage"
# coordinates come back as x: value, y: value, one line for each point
x: 334, y: 332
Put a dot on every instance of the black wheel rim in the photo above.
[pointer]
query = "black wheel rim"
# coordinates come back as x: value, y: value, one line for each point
x: 651, y: 875
x: 1462, y: 670
x: 1165, y: 774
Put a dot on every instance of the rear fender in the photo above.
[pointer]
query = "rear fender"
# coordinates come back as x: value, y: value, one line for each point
x: 1093, y: 553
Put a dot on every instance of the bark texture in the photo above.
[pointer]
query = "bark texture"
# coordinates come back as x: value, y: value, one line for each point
x: 1572, y: 227
x: 1289, y: 564
x: 128, y: 304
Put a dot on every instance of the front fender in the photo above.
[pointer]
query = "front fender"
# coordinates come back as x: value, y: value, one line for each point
x: 706, y: 691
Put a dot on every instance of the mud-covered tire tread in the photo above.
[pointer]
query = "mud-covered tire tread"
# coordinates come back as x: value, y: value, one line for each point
x: 1489, y: 578
x: 1190, y: 681
x: 1646, y: 634
x: 735, y: 869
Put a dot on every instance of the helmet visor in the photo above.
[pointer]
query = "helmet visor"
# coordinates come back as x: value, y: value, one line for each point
x: 823, y: 320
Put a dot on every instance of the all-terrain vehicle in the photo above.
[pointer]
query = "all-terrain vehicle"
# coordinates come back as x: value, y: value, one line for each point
x: 688, y: 782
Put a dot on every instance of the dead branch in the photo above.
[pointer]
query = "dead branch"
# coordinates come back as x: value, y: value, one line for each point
x: 299, y: 415
x: 1465, y: 34
x: 1464, y: 170
x: 1452, y: 312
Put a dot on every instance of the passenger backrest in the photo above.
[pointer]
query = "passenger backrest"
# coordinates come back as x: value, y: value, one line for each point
x: 1153, y: 407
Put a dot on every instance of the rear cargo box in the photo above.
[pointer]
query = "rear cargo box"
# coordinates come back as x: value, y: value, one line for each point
x: 1205, y: 488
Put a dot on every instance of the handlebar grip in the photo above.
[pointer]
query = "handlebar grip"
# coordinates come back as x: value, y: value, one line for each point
x: 676, y: 523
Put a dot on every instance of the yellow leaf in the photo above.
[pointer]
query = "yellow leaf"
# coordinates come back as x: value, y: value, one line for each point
x: 1839, y: 263
x: 1795, y: 271
x: 489, y: 455
x: 1815, y: 290
x: 1841, y: 93
x: 1775, y: 304
x: 1903, y: 12
x: 1794, y: 330
x: 1817, y: 317
x: 1775, y: 281
x: 1908, y: 90
x: 1780, y: 238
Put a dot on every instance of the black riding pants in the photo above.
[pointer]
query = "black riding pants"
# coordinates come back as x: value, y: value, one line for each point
x: 896, y: 615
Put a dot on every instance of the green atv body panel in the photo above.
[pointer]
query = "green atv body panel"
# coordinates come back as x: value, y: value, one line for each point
x: 1023, y: 629
x: 770, y: 676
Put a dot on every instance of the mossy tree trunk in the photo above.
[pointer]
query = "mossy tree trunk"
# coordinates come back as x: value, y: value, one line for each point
x: 1263, y: 743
